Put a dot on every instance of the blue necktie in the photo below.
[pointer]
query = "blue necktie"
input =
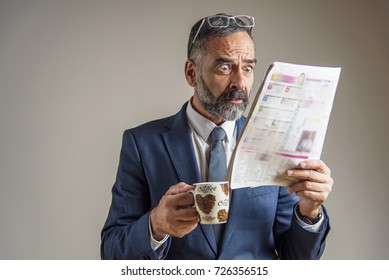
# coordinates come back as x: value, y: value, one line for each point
x: 217, y: 158
x: 217, y: 170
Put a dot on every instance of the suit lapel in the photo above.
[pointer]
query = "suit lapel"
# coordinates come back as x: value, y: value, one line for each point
x: 180, y: 147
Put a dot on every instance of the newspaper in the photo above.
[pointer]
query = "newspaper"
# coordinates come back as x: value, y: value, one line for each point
x: 287, y: 124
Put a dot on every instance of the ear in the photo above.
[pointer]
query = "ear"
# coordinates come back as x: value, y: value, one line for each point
x: 190, y: 72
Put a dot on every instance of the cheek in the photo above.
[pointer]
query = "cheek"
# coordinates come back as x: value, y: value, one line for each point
x: 216, y: 84
x: 249, y: 85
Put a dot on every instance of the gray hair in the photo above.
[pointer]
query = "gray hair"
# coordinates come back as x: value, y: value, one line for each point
x: 195, y: 49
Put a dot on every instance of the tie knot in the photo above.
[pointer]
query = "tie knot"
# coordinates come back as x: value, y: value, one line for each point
x: 218, y: 134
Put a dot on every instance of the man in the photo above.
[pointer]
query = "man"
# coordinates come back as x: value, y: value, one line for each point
x: 150, y: 216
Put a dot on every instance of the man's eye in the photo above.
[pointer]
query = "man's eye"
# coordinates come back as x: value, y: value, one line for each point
x: 224, y: 68
x: 248, y: 69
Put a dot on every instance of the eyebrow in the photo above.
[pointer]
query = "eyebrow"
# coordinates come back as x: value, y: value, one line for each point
x: 227, y: 59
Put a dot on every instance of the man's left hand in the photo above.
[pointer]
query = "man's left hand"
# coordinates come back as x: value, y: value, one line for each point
x: 313, y: 186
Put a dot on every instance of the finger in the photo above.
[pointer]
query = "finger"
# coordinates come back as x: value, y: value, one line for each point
x: 182, y: 200
x: 181, y: 225
x: 317, y: 197
x: 317, y: 165
x: 182, y: 231
x: 309, y: 175
x: 187, y: 214
x: 179, y: 188
x: 310, y: 187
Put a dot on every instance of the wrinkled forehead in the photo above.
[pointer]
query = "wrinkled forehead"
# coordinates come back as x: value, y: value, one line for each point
x: 236, y: 44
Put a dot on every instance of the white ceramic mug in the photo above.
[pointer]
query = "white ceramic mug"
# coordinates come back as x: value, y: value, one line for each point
x: 212, y: 201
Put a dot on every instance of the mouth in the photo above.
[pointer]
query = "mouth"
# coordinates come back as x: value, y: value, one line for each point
x: 235, y: 100
x: 236, y: 97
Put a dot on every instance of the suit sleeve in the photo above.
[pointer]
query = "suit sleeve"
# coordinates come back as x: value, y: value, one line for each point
x: 125, y: 234
x: 292, y: 240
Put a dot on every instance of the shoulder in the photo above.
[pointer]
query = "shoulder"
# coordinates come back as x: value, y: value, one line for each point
x: 159, y: 126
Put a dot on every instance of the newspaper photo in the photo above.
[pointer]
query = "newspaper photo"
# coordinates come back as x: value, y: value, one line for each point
x: 287, y: 124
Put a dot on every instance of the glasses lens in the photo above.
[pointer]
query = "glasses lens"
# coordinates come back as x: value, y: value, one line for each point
x: 244, y: 21
x: 219, y: 21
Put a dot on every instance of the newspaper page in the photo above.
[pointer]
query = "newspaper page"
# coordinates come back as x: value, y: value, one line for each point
x: 287, y: 124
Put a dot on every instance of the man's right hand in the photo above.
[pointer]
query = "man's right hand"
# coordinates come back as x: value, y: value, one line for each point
x: 174, y: 214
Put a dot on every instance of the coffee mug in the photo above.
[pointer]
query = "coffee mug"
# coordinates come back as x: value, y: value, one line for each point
x: 212, y: 201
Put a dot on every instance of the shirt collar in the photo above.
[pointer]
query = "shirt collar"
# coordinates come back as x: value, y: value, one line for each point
x: 203, y: 126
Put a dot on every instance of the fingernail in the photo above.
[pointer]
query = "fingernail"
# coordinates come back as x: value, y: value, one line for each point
x: 289, y: 172
x: 303, y: 164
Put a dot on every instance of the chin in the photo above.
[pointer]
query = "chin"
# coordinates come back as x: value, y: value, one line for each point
x: 233, y: 114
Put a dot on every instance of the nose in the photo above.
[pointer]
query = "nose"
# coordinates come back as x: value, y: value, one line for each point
x: 238, y: 81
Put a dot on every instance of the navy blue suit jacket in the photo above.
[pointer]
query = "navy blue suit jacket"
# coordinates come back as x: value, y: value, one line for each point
x: 159, y: 154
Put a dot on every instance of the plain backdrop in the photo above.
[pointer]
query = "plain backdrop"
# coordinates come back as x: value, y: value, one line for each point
x: 75, y: 74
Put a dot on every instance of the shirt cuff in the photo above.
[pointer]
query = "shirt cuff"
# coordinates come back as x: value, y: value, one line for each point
x: 313, y: 228
x: 155, y: 245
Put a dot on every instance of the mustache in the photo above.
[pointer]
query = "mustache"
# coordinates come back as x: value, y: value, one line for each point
x: 234, y: 94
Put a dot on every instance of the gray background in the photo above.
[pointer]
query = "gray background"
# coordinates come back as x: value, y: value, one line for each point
x: 75, y: 74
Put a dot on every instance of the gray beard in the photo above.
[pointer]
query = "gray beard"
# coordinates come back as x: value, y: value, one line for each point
x: 220, y: 107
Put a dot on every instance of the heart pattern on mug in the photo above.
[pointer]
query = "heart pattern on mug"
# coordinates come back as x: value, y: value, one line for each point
x: 206, y: 203
x: 222, y: 215
x: 225, y: 189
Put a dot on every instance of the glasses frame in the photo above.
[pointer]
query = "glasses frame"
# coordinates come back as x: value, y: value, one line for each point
x: 250, y: 18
